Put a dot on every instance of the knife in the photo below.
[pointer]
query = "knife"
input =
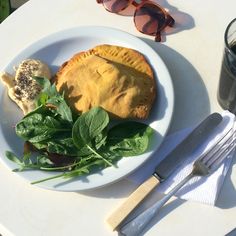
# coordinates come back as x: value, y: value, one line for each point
x: 165, y: 168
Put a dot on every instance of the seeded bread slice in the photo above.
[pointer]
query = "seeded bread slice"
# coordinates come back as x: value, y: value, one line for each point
x: 22, y: 89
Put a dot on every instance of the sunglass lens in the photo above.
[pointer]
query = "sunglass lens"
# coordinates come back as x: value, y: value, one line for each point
x: 116, y: 6
x: 149, y: 19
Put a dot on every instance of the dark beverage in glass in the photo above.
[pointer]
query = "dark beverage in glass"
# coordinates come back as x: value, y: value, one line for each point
x: 227, y: 85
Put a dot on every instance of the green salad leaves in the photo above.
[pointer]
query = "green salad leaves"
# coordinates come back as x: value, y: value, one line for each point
x: 58, y: 140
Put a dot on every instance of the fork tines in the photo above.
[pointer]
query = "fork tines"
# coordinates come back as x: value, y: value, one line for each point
x: 214, y: 156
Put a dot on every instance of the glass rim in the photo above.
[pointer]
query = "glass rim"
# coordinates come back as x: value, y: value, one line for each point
x: 226, y: 40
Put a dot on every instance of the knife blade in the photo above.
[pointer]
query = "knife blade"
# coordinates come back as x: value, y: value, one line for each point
x: 173, y: 160
x: 165, y: 168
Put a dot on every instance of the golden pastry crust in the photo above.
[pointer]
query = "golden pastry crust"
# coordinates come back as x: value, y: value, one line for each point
x: 116, y: 78
x: 125, y: 56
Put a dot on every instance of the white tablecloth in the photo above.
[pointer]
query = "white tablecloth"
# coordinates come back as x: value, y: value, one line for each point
x: 192, y: 53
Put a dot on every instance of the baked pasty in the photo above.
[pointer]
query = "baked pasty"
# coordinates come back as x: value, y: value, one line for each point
x: 118, y: 79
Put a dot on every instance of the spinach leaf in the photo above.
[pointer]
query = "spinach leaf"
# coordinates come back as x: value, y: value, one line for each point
x: 100, y: 139
x: 37, y: 128
x: 88, y: 132
x: 43, y: 110
x: 41, y: 145
x: 97, y: 143
x: 62, y: 146
x: 89, y: 125
x: 129, y: 138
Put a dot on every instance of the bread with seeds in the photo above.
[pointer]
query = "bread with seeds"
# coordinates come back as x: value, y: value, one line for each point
x: 22, y: 88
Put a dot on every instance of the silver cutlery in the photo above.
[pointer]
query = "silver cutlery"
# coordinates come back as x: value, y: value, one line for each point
x: 203, y: 166
x: 165, y: 168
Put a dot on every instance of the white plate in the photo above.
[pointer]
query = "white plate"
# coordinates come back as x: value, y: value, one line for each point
x: 54, y: 50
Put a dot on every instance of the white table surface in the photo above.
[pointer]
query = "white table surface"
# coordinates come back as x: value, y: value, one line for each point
x: 192, y: 53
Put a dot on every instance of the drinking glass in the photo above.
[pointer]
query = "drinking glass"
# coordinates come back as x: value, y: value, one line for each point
x: 227, y: 83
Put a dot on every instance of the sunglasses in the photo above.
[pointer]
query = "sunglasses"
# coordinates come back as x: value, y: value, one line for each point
x: 149, y: 17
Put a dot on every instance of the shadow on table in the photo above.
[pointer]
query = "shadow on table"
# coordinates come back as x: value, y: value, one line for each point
x: 227, y: 196
x: 164, y: 211
x: 191, y: 97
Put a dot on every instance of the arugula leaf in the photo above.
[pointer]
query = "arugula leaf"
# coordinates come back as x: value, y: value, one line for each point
x: 50, y: 95
x: 82, y: 169
x: 47, y: 88
x: 12, y: 157
x: 24, y: 163
x: 61, y: 107
x: 43, y: 160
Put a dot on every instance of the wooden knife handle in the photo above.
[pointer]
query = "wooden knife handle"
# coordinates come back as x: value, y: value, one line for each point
x: 120, y: 214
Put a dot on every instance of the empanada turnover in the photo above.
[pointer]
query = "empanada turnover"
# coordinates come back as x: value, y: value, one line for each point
x: 118, y: 79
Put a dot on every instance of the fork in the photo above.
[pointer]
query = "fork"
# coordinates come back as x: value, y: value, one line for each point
x: 205, y: 165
